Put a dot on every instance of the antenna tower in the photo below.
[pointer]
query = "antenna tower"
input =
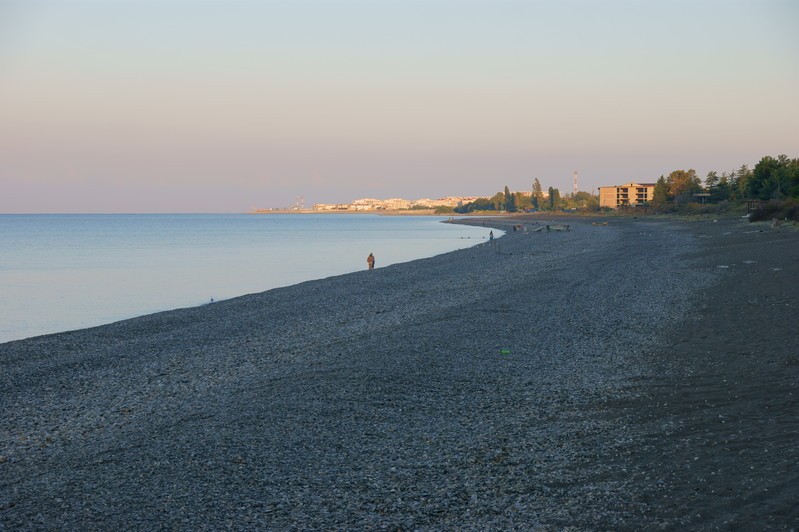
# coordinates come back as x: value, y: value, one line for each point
x: 575, y: 182
x: 299, y: 203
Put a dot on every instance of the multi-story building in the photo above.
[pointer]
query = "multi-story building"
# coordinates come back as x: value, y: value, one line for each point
x: 331, y: 206
x: 396, y: 204
x: 449, y: 201
x: 366, y: 204
x: 629, y: 195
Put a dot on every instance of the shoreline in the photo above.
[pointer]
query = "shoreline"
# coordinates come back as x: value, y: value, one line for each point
x: 30, y: 325
x: 560, y: 379
x: 375, y: 212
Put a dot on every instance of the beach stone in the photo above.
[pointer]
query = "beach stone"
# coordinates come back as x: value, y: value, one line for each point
x: 385, y: 399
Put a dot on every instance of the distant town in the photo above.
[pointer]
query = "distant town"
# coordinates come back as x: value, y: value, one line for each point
x: 372, y: 204
x: 392, y: 204
x: 771, y: 186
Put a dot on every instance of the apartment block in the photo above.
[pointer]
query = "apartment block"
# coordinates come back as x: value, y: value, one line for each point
x: 631, y: 194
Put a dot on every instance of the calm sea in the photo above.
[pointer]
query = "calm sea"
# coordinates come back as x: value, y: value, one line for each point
x: 65, y: 272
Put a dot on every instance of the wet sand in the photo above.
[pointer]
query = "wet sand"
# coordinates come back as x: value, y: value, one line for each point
x: 639, y: 375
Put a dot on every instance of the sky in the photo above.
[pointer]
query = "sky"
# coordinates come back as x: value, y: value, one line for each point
x: 226, y: 106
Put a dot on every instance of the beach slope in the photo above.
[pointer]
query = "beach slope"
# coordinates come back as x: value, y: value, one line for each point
x: 635, y: 375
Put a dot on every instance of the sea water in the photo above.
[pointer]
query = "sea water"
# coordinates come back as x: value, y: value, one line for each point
x: 65, y: 272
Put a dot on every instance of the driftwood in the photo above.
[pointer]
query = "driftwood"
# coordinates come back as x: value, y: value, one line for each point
x: 548, y: 228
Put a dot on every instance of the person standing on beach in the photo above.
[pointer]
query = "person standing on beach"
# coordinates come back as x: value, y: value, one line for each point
x: 370, y: 260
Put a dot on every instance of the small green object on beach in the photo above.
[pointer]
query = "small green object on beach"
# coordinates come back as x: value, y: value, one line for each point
x: 504, y: 351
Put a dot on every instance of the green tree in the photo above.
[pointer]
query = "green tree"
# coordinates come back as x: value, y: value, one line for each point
x: 480, y: 204
x: 498, y: 201
x: 765, y: 182
x: 660, y: 196
x: 718, y: 186
x: 522, y: 201
x: 774, y: 178
x: 732, y: 185
x: 584, y: 201
x: 554, y: 199
x: 711, y: 180
x: 683, y: 184
x: 483, y: 204
x: 510, y: 203
x: 538, y: 195
x: 792, y: 180
x: 721, y: 191
x: 744, y: 186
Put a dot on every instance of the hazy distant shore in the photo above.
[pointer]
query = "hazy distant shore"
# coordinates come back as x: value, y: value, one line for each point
x: 380, y: 212
x: 635, y: 375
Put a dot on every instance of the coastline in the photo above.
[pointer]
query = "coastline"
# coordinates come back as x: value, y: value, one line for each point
x: 374, y: 212
x: 98, y: 269
x: 557, y: 379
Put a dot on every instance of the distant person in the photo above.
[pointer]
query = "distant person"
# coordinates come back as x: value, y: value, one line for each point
x: 491, y: 235
x: 370, y: 260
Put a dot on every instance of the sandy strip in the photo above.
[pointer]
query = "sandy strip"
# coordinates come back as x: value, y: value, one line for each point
x: 612, y: 376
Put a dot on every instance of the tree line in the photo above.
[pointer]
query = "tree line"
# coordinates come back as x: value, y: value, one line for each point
x: 772, y: 178
x: 535, y: 200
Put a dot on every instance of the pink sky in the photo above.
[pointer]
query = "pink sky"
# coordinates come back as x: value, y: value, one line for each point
x: 177, y: 106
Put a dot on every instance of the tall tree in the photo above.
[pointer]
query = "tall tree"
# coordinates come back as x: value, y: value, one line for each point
x: 510, y: 203
x: 744, y: 175
x: 721, y: 191
x: 660, y: 196
x: 711, y: 180
x: 554, y: 198
x: 732, y: 185
x: 538, y: 194
x: 716, y: 185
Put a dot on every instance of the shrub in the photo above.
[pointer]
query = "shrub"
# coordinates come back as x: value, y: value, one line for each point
x: 706, y: 208
x: 781, y: 210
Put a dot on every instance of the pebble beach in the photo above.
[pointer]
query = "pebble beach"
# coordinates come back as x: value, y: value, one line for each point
x: 642, y: 374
